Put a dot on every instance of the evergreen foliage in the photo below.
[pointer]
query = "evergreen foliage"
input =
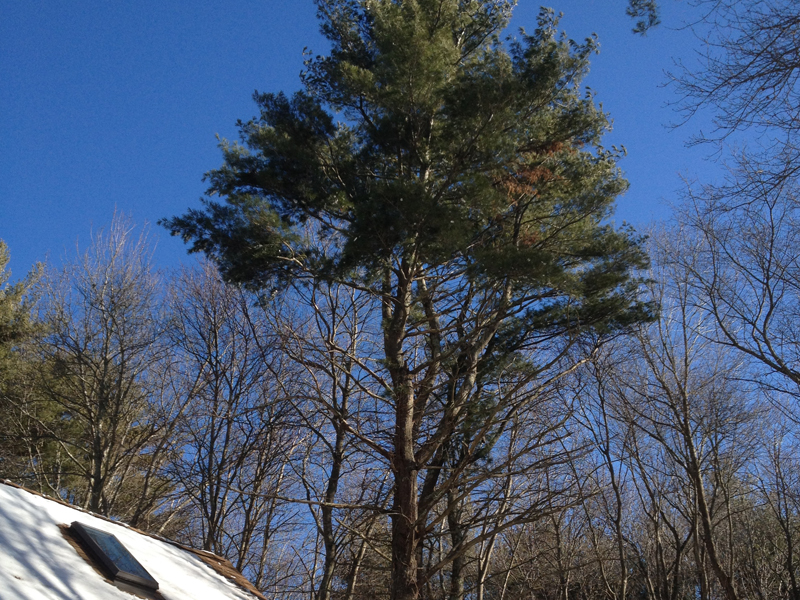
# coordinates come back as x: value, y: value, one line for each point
x: 16, y: 324
x: 423, y: 135
x: 459, y: 180
x: 17, y: 329
x: 646, y: 11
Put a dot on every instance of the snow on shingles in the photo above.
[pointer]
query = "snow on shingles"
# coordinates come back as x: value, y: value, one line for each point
x: 38, y: 563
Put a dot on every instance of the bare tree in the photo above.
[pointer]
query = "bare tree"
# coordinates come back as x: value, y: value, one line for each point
x: 747, y: 76
x: 681, y: 392
x: 236, y: 435
x: 99, y: 374
x: 345, y: 491
x: 605, y: 474
x: 745, y: 271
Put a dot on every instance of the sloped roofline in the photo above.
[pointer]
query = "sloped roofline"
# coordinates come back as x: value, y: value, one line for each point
x: 220, y: 565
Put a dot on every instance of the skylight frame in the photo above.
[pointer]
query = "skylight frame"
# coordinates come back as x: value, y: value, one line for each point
x: 88, y: 535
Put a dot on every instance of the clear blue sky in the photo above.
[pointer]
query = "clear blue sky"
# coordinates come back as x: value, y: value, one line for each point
x: 107, y: 104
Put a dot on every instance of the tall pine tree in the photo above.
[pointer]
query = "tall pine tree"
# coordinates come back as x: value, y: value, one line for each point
x: 459, y: 181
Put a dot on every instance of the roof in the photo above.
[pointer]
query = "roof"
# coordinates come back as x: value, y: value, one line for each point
x: 38, y: 562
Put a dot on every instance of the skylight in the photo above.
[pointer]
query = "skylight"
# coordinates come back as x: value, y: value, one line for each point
x: 110, y: 552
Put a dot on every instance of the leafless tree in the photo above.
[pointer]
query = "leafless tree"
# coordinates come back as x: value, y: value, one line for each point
x: 100, y: 366
x: 345, y: 491
x: 744, y: 260
x: 747, y: 76
x: 681, y: 392
x: 236, y: 435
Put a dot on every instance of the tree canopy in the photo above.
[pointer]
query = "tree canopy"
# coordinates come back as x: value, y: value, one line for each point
x: 458, y: 180
x: 423, y: 134
x: 15, y: 305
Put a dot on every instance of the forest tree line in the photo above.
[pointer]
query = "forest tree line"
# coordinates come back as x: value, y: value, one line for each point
x: 419, y: 360
x: 658, y: 463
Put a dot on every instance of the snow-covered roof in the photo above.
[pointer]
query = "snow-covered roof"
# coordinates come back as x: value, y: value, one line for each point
x: 38, y: 562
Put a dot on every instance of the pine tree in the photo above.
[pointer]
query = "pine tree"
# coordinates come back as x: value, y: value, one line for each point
x: 459, y: 180
x: 17, y: 329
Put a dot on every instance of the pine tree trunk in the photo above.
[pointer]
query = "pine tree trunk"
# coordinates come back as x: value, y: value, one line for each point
x: 457, y: 536
x: 405, y: 513
x: 404, y: 465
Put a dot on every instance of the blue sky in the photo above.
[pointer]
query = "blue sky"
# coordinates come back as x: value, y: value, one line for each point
x: 107, y: 104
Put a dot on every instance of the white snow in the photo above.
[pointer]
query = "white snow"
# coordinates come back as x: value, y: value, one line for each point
x: 37, y: 563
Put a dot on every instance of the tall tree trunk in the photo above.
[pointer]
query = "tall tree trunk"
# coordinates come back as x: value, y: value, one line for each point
x: 96, y: 486
x: 326, y: 510
x: 405, y: 511
x: 703, y: 512
x: 457, y: 536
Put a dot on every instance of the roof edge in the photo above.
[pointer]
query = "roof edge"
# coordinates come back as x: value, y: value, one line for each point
x: 219, y: 564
